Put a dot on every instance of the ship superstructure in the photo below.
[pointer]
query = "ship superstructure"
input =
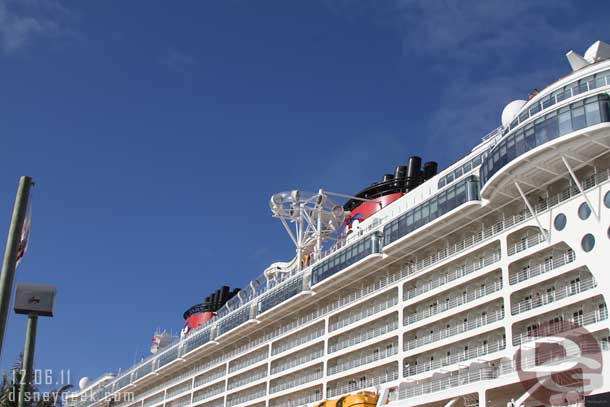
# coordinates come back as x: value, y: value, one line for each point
x: 425, y: 289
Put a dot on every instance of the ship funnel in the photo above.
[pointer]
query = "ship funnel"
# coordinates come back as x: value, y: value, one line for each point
x: 413, y: 173
x: 430, y: 169
x: 399, y: 176
x: 388, y: 177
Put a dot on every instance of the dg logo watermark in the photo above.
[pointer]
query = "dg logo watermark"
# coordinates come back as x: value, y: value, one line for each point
x: 559, y: 363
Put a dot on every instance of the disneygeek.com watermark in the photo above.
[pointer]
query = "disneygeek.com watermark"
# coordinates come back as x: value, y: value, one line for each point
x: 559, y: 363
x: 56, y: 386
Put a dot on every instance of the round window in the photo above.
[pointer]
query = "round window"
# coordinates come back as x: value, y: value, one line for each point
x: 588, y: 242
x: 584, y: 211
x: 560, y: 221
x: 607, y: 199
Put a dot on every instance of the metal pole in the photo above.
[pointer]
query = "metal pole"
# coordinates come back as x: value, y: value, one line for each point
x: 28, y: 359
x: 10, y: 255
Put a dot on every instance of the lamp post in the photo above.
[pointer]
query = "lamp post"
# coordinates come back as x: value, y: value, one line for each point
x: 11, y: 253
x: 33, y: 301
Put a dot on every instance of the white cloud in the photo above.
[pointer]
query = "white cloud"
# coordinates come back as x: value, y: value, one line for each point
x: 23, y: 22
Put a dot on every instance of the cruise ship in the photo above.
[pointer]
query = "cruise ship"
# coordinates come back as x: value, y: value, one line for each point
x: 484, y: 284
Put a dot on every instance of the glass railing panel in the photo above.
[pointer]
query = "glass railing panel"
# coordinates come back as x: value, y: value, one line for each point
x: 233, y: 320
x: 578, y: 115
x: 280, y: 294
x: 342, y: 259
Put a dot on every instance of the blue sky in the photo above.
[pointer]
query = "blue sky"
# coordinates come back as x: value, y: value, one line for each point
x: 157, y: 131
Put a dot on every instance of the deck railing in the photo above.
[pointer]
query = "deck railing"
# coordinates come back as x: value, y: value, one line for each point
x: 549, y: 297
x: 531, y: 271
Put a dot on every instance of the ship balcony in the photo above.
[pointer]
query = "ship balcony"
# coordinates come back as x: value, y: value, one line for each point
x: 299, y: 358
x: 524, y: 240
x: 363, y: 333
x: 180, y: 402
x: 178, y: 389
x: 540, y: 263
x: 247, y: 377
x: 363, y: 380
x: 220, y: 402
x: 299, y: 338
x: 364, y: 310
x: 247, y: 395
x: 450, y: 274
x: 156, y: 399
x: 549, y: 292
x: 467, y: 294
x: 442, y: 381
x: 209, y: 377
x: 208, y: 392
x: 249, y: 359
x: 455, y: 355
x: 298, y: 399
x: 296, y: 379
x: 586, y: 313
x: 454, y: 326
x: 534, y: 153
x: 364, y: 356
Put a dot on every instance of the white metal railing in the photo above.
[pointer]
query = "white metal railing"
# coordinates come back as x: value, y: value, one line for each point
x: 209, y: 392
x: 246, y: 396
x: 364, y: 335
x: 470, y: 354
x: 456, y: 329
x: 220, y: 402
x: 247, y: 377
x: 560, y: 293
x: 366, y: 310
x: 209, y: 377
x: 296, y: 401
x: 526, y: 243
x: 153, y: 400
x: 180, y: 402
x: 470, y: 296
x: 248, y: 361
x: 459, y: 272
x: 530, y: 271
x: 367, y: 357
x: 297, y: 381
x: 298, y: 340
x: 468, y: 376
x: 587, y: 318
x: 359, y: 383
x: 291, y: 361
x: 503, y: 224
x: 173, y: 391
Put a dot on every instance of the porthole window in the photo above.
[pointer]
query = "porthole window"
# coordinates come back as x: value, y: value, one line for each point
x: 560, y: 221
x: 588, y: 242
x: 607, y: 199
x: 584, y: 211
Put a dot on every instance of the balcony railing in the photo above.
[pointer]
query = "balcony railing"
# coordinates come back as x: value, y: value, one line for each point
x: 297, y: 381
x: 526, y: 243
x: 247, y: 377
x: 209, y: 377
x: 470, y: 296
x: 296, y: 401
x: 292, y: 361
x: 587, y: 318
x: 209, y: 392
x: 472, y: 353
x: 502, y: 225
x: 363, y: 335
x: 533, y: 271
x: 361, y: 360
x: 358, y: 384
x: 456, y: 329
x: 246, y: 396
x: 298, y: 340
x: 248, y: 361
x: 552, y: 296
x: 454, y: 275
x: 364, y: 312
x: 444, y: 383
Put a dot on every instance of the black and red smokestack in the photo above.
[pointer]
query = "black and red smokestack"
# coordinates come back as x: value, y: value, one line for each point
x: 199, y: 314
